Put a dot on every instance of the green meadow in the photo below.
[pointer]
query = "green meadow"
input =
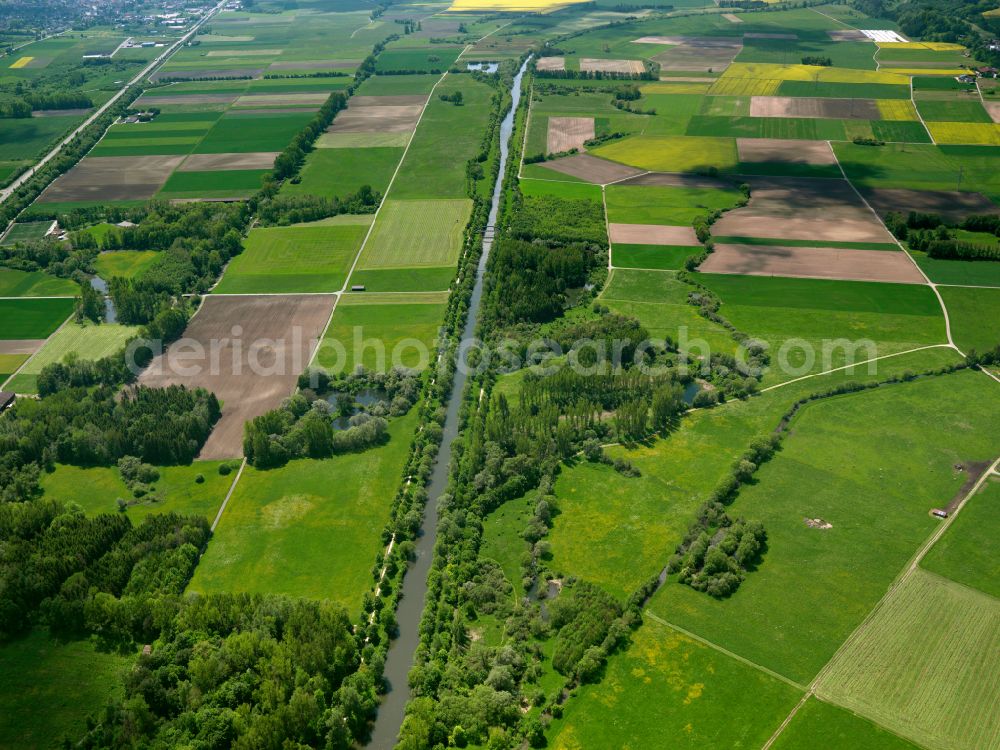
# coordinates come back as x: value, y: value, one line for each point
x: 658, y: 257
x: 965, y: 552
x: 667, y: 685
x: 33, y: 318
x: 676, y: 206
x: 974, y: 316
x: 96, y: 489
x: 310, y: 528
x: 924, y: 665
x: 819, y: 724
x: 14, y: 283
x: 87, y: 341
x: 816, y: 324
x: 301, y: 258
x: 861, y: 463
x: 382, y: 331
x: 418, y: 233
x: 129, y: 264
x: 339, y: 172
x: 48, y: 689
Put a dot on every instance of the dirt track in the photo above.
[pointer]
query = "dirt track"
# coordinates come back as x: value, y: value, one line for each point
x: 565, y: 133
x: 797, y: 208
x: 591, y: 168
x: 652, y: 234
x: 813, y: 263
x: 257, y: 363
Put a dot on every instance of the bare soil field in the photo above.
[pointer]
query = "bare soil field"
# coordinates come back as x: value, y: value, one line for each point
x: 228, y: 162
x: 847, y: 35
x: 591, y: 168
x: 315, y: 65
x: 652, y: 234
x: 112, y: 178
x: 379, y: 114
x: 263, y: 343
x: 20, y: 346
x: 952, y: 205
x: 785, y: 151
x: 695, y: 53
x: 213, y: 73
x: 271, y: 111
x: 74, y: 112
x: 595, y: 65
x: 155, y: 101
x: 278, y: 100
x: 993, y: 110
x: 551, y: 63
x: 668, y: 179
x: 568, y: 132
x: 813, y: 263
x: 732, y: 18
x: 798, y: 208
x: 805, y: 106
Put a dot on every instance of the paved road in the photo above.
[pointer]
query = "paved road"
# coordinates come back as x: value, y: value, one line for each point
x: 7, y: 191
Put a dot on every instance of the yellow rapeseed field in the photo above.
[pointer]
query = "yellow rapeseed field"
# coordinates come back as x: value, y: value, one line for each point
x: 522, y: 6
x: 975, y: 133
x: 774, y: 71
x: 21, y: 63
x: 896, y: 109
x: 666, y: 87
x: 936, y: 46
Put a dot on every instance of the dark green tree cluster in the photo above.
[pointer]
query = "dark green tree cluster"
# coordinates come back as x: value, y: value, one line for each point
x: 97, y: 426
x: 282, y: 210
x: 582, y: 619
x: 291, y: 159
x: 559, y: 221
x: 79, y: 574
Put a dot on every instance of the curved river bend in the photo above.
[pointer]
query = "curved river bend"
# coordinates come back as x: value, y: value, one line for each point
x: 399, y: 658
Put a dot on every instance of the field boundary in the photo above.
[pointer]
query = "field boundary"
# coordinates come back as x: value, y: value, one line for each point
x: 225, y: 500
x: 722, y: 650
x: 35, y: 353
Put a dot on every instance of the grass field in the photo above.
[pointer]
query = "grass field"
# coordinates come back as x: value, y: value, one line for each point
x: 97, y: 489
x: 819, y: 724
x: 300, y: 258
x: 965, y: 552
x: 446, y: 138
x: 33, y: 318
x: 242, y: 134
x: 975, y: 317
x: 26, y: 231
x: 975, y: 273
x: 953, y: 110
x: 922, y: 166
x: 388, y: 85
x: 659, y: 301
x: 675, y: 206
x: 14, y: 283
x: 310, y: 528
x: 232, y: 183
x: 129, y: 264
x: 27, y: 137
x: 858, y: 319
x: 844, y: 90
x: 417, y: 233
x: 424, y: 59
x: 863, y: 464
x: 669, y: 685
x: 926, y: 665
x: 424, y: 279
x: 9, y: 363
x: 570, y: 190
x: 338, y: 172
x: 84, y: 341
x: 662, y: 257
x: 672, y: 153
x: 381, y: 332
x: 48, y: 689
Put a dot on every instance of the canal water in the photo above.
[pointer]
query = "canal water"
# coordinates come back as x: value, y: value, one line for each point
x: 411, y: 606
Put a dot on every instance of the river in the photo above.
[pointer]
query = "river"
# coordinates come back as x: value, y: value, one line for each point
x: 411, y: 606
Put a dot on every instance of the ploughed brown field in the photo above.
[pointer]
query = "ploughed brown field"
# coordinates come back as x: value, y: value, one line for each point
x: 799, y: 208
x: 20, y: 346
x: 597, y: 65
x: 805, y: 106
x: 652, y: 234
x: 952, y: 205
x: 262, y: 344
x: 379, y: 114
x: 591, y: 168
x: 784, y: 151
x: 565, y: 133
x: 813, y: 263
x: 226, y: 162
x: 112, y: 178
x: 155, y: 101
x: 695, y: 53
